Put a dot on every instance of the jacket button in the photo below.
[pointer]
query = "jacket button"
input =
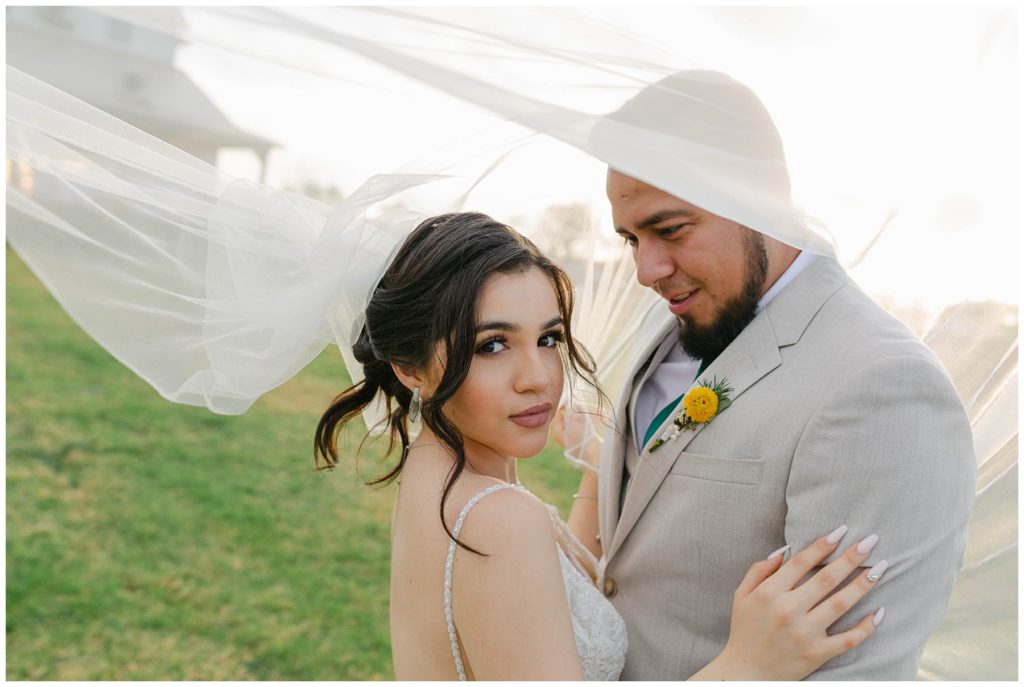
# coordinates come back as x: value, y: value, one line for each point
x: 610, y: 587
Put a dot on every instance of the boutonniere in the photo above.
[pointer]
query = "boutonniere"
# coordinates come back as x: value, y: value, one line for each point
x: 700, y: 406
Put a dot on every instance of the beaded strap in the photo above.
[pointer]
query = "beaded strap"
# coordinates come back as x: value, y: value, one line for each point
x: 448, y: 575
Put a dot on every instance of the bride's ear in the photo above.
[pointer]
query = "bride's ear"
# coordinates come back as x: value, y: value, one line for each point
x: 410, y: 379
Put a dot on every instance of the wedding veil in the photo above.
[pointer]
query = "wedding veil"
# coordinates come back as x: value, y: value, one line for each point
x: 216, y: 290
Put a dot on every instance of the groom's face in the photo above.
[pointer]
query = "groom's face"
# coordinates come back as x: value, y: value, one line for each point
x: 710, y: 270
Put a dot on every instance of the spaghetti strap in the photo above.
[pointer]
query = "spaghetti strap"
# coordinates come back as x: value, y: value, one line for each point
x: 448, y: 573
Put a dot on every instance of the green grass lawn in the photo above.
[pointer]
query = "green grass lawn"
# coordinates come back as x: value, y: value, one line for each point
x: 152, y: 541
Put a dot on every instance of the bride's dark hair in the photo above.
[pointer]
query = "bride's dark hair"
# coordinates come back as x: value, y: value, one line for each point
x: 429, y: 296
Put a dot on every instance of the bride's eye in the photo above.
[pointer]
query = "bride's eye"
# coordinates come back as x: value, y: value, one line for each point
x: 551, y: 339
x: 492, y: 346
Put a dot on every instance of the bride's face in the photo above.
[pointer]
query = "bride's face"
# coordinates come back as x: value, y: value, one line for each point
x: 511, y: 393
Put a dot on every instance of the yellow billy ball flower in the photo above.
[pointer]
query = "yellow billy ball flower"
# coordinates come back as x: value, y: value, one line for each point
x: 701, y: 404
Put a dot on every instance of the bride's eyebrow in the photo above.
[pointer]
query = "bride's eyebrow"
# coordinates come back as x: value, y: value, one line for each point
x: 511, y: 327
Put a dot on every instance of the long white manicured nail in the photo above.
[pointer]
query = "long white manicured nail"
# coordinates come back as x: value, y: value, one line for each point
x: 778, y: 552
x: 875, y: 574
x: 867, y: 544
x: 879, y: 614
x: 837, y: 534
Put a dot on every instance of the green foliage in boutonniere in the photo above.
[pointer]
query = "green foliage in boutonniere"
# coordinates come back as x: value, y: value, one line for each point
x: 700, y: 405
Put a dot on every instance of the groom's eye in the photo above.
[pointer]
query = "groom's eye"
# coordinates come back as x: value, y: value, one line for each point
x: 669, y: 231
x: 627, y: 237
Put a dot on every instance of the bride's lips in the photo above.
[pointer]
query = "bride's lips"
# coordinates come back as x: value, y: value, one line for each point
x: 681, y: 302
x: 533, y: 417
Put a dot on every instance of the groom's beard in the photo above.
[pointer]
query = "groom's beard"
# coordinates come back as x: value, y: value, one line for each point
x: 706, y: 342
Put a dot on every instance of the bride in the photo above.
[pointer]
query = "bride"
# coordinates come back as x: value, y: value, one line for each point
x: 469, y: 330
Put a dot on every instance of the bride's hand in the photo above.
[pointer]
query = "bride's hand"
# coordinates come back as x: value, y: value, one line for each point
x: 582, y: 446
x: 778, y: 625
x: 558, y: 427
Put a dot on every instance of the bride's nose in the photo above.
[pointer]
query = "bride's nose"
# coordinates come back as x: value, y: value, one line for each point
x: 532, y: 372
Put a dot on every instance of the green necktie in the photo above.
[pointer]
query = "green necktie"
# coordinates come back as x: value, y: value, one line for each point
x: 659, y: 418
x: 663, y: 413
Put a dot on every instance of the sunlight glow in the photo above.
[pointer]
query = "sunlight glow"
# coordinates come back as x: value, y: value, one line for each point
x: 933, y: 152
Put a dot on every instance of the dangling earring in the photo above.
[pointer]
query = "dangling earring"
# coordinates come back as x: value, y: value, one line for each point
x: 414, y: 406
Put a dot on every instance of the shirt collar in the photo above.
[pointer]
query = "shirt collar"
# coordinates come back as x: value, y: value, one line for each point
x: 799, y: 265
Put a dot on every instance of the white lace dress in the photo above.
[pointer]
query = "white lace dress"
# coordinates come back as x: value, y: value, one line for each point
x: 599, y: 629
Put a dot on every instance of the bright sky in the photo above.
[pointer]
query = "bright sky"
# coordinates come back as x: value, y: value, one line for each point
x: 938, y: 143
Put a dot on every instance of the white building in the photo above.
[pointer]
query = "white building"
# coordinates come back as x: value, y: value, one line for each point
x: 125, y: 70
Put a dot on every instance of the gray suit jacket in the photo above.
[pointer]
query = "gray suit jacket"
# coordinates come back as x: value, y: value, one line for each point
x: 839, y: 415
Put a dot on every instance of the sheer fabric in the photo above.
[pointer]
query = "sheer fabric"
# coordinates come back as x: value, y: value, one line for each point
x: 215, y: 290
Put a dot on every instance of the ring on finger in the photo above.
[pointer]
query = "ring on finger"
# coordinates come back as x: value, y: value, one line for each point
x: 876, y: 572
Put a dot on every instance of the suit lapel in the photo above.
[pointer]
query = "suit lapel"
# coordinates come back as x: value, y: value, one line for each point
x: 617, y: 442
x: 751, y: 356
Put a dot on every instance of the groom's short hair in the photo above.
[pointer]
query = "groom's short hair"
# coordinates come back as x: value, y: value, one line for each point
x: 708, y: 124
x: 713, y: 109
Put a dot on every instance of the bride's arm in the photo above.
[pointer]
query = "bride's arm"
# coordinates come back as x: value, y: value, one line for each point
x: 510, y: 605
x: 778, y: 629
x: 582, y: 520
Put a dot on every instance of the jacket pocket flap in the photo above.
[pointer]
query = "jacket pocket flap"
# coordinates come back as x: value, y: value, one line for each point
x: 718, y: 469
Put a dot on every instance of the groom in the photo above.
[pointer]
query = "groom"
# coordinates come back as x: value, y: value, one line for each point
x: 838, y: 415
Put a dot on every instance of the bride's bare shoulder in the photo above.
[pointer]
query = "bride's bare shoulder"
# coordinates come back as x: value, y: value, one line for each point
x: 512, y: 588
x: 423, y: 481
x: 509, y: 521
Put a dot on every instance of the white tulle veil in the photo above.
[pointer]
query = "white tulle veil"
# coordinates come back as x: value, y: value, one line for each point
x: 216, y: 290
